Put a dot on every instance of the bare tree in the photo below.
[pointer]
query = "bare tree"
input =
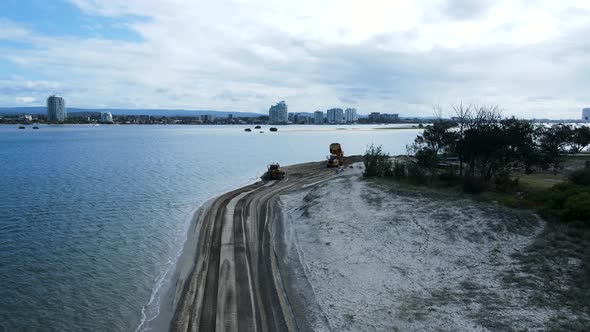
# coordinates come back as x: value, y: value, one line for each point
x: 463, y: 115
x: 486, y: 114
x: 438, y: 112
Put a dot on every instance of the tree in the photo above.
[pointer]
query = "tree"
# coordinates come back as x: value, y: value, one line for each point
x: 463, y: 117
x: 436, y: 137
x: 520, y: 144
x: 482, y: 142
x: 491, y: 147
x: 482, y: 146
x: 427, y: 159
x: 579, y: 139
x: 553, y: 142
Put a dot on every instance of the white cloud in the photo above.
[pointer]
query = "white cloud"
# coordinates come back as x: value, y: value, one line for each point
x: 25, y: 100
x: 532, y: 58
x: 10, y: 30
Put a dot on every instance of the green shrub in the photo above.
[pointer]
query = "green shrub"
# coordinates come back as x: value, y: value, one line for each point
x: 504, y: 183
x: 577, y: 207
x: 511, y: 201
x: 377, y: 162
x: 449, y: 176
x: 399, y: 170
x: 426, y: 158
x: 566, y: 201
x: 556, y: 197
x: 388, y: 167
x: 417, y: 175
x: 580, y: 177
x: 474, y: 185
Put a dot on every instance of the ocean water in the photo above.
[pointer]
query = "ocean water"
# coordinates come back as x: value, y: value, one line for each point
x: 92, y: 219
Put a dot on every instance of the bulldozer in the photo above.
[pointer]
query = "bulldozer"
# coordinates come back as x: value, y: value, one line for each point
x: 336, y: 157
x: 275, y: 172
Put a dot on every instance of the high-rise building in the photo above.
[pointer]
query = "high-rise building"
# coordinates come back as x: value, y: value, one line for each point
x: 586, y: 114
x: 350, y: 115
x: 335, y: 115
x: 207, y: 118
x: 278, y: 114
x: 56, y: 109
x: 389, y: 118
x: 374, y: 117
x: 318, y: 117
x: 301, y: 118
x: 106, y: 117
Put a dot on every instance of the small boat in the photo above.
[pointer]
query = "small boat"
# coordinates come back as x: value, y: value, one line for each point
x: 35, y: 127
x: 21, y: 127
x: 262, y: 132
x: 248, y: 129
x: 257, y: 127
x: 273, y: 129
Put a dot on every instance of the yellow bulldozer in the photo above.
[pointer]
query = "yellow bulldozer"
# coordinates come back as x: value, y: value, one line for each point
x: 336, y: 157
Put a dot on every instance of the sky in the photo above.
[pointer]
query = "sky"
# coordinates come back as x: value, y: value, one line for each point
x: 530, y: 57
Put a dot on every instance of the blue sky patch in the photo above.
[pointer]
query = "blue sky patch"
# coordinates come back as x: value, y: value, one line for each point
x: 63, y: 19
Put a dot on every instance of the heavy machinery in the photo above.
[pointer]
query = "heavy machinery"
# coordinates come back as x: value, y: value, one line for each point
x: 275, y: 172
x: 336, y: 157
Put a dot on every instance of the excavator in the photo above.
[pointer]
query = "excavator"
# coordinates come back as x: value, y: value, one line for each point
x: 336, y: 157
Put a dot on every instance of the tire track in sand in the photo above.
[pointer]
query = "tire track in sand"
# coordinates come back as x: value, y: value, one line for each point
x: 235, y: 284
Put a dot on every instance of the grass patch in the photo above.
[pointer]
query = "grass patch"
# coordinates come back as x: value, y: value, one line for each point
x: 580, y: 156
x: 540, y: 181
x: 556, y: 197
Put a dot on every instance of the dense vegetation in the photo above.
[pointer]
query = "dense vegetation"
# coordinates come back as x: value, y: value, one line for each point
x: 568, y: 201
x: 480, y: 151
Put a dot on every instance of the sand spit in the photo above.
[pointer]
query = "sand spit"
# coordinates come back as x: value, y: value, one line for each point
x: 235, y: 283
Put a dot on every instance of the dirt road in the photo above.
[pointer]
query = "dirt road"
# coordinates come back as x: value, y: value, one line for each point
x: 235, y: 284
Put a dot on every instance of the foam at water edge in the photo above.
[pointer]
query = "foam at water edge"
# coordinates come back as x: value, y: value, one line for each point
x: 154, y: 308
x: 151, y: 310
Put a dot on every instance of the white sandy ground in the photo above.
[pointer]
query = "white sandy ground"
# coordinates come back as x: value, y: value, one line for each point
x: 384, y: 261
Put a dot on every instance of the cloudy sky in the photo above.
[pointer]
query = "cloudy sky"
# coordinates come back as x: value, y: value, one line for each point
x: 531, y: 57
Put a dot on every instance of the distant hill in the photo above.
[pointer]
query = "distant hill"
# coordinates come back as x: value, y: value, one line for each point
x: 152, y: 112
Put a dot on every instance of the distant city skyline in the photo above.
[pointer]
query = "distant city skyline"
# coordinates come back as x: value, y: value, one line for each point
x: 376, y: 56
x: 349, y: 113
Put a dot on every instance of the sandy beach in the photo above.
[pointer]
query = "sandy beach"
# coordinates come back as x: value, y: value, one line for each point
x: 235, y: 283
x: 325, y: 250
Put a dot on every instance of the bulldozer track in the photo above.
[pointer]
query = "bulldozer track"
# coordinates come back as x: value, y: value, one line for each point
x: 235, y: 284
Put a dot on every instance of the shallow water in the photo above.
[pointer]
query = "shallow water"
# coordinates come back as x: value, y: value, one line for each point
x: 93, y: 218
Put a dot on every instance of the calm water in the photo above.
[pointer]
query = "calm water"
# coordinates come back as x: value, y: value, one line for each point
x: 93, y: 218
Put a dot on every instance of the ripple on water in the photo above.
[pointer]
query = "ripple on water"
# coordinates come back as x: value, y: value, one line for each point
x: 92, y: 217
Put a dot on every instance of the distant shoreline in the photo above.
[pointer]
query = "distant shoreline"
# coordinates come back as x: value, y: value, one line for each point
x: 294, y: 128
x: 407, y: 125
